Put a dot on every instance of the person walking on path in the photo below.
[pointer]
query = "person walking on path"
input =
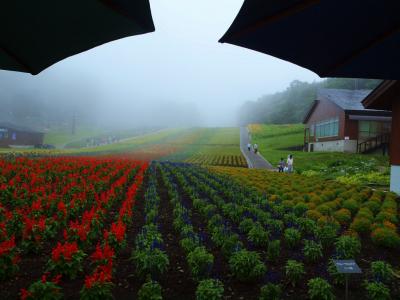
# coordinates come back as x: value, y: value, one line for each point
x: 289, y: 163
x: 249, y: 146
x: 255, y: 148
x: 281, y: 165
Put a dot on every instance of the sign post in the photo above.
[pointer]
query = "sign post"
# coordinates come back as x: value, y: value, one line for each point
x: 347, y: 266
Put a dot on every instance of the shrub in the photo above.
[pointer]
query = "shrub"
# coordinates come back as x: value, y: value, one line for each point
x: 313, y: 214
x: 292, y: 237
x: 351, y: 205
x: 377, y: 291
x: 246, y: 265
x: 361, y: 225
x: 150, y: 261
x: 274, y: 248
x: 189, y: 243
x: 307, y: 226
x: 386, y: 216
x: 246, y: 225
x: 347, y: 247
x: 320, y: 289
x: 324, y: 209
x: 326, y: 234
x: 381, y: 271
x: 258, y: 236
x: 312, y: 250
x: 294, y: 271
x: 385, y: 237
x: 210, y: 289
x: 270, y: 291
x: 366, y: 213
x: 373, y: 205
x: 200, y: 263
x: 300, y: 209
x: 231, y: 244
x: 343, y: 216
x: 150, y: 291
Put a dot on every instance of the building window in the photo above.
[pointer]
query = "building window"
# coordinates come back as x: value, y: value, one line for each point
x: 14, y: 136
x: 327, y: 128
x: 312, y: 130
x: 372, y: 128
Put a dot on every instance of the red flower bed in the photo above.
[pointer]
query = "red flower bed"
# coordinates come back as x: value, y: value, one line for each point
x: 85, y: 201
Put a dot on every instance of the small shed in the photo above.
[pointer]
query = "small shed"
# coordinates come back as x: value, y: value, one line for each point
x: 15, y: 135
x: 387, y: 96
x: 337, y: 121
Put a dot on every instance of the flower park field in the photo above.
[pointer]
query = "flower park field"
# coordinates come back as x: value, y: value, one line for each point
x: 175, y: 215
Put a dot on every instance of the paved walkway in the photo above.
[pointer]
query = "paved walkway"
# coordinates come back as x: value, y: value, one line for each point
x: 255, y: 161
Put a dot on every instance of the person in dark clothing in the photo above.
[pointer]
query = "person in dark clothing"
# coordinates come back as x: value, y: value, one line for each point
x: 281, y: 165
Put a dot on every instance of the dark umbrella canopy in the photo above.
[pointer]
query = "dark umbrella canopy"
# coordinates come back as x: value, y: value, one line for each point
x: 333, y: 38
x: 36, y: 34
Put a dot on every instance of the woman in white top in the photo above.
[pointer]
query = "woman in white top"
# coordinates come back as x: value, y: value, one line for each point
x: 255, y: 148
x: 289, y: 163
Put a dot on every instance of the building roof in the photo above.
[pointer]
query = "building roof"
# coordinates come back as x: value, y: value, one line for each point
x: 345, y: 99
x: 348, y: 100
x: 383, y: 96
x: 18, y: 127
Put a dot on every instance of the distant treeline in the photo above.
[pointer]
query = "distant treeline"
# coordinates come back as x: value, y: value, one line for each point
x: 291, y: 105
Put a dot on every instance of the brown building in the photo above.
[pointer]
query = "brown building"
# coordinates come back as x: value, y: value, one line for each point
x: 337, y: 121
x: 387, y: 96
x: 13, y: 135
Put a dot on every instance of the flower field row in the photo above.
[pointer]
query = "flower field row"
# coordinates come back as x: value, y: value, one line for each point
x: 104, y: 228
x: 218, y: 160
x: 64, y: 205
x: 361, y: 210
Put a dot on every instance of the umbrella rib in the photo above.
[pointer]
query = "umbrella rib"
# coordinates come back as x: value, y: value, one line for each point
x: 292, y: 10
x: 18, y: 60
x: 361, y: 50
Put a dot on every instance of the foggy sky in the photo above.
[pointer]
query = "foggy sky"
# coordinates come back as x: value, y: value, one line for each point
x: 179, y: 69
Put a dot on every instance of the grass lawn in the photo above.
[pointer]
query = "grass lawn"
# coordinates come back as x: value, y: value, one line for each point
x: 275, y: 142
x: 61, y: 138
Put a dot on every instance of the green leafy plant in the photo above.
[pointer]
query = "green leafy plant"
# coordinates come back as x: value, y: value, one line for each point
x: 189, y: 243
x: 377, y: 291
x: 210, y: 289
x: 292, y: 237
x: 150, y: 291
x: 9, y: 258
x: 246, y: 225
x: 43, y: 289
x: 274, y: 248
x: 347, y: 247
x: 312, y: 250
x: 231, y: 244
x: 200, y: 263
x: 258, y: 235
x: 320, y: 289
x: 270, y: 291
x: 326, y: 234
x: 381, y: 271
x: 294, y: 270
x: 246, y: 265
x: 150, y: 261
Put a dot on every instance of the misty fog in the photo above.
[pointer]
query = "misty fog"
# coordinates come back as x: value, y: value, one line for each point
x: 177, y: 76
